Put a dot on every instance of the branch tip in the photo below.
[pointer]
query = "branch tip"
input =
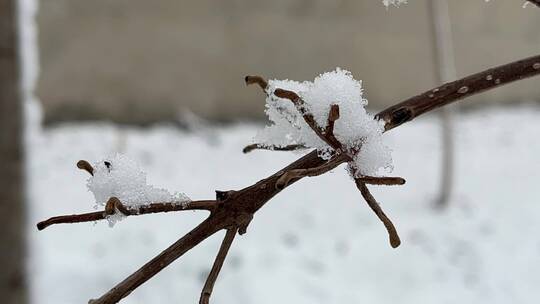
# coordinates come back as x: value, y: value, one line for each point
x: 84, y: 165
x: 261, y: 82
x: 372, y: 203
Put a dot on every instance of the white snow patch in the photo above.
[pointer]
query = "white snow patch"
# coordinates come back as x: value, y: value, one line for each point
x: 356, y: 129
x: 121, y: 177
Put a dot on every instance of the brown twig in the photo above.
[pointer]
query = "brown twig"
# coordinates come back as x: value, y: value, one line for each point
x: 111, y: 205
x: 333, y: 116
x: 300, y: 106
x: 114, y: 204
x: 456, y: 90
x: 218, y: 263
x: 386, y: 180
x: 392, y: 232
x: 239, y: 206
x: 252, y: 147
x: 261, y: 82
x: 290, y: 175
x: 84, y: 165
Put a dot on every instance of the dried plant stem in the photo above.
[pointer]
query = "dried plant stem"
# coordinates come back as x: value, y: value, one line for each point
x: 218, y: 263
x: 392, y: 232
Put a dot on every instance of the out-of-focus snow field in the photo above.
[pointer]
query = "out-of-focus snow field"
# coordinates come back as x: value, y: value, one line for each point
x: 317, y: 242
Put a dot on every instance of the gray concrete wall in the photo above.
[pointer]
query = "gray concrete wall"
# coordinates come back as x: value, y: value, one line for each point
x: 142, y: 61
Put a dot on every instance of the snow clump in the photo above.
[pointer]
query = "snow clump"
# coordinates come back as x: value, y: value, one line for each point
x: 121, y: 177
x: 356, y: 129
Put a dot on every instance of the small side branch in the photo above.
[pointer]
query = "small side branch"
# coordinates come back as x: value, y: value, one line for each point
x: 84, y: 165
x: 288, y: 176
x: 392, y: 232
x: 300, y: 106
x: 218, y: 263
x: 386, y: 180
x: 258, y: 80
x: 252, y: 147
x: 113, y: 205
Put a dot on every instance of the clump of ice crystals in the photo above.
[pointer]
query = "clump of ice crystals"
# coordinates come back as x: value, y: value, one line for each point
x: 356, y: 129
x: 121, y: 177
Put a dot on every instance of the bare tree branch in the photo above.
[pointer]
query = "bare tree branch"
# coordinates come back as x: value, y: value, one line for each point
x: 218, y: 263
x: 261, y: 82
x: 252, y: 147
x: 235, y: 209
x: 300, y: 106
x: 459, y: 89
x: 392, y: 232
x: 286, y: 178
x: 207, y: 228
x: 127, y: 211
x: 387, y: 180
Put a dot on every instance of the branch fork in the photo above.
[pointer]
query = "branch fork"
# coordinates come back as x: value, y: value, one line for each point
x: 327, y: 135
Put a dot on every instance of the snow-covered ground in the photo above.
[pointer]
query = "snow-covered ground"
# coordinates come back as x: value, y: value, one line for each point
x: 317, y: 242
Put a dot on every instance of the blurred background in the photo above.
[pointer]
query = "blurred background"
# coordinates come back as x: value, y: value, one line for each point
x: 162, y: 81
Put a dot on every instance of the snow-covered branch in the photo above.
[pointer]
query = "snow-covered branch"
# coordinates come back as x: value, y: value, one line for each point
x: 232, y: 210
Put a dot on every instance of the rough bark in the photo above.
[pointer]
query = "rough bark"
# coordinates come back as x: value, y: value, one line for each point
x: 12, y: 261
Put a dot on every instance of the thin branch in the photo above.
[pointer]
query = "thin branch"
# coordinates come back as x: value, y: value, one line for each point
x: 84, y: 165
x: 261, y: 82
x: 459, y: 89
x: 114, y: 204
x: 392, y: 232
x: 252, y: 147
x: 207, y: 228
x: 386, y: 180
x: 333, y: 116
x: 218, y: 263
x: 288, y: 176
x: 300, y: 106
x: 128, y: 211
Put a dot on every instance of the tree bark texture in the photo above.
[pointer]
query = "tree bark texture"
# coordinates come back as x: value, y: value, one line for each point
x: 12, y: 217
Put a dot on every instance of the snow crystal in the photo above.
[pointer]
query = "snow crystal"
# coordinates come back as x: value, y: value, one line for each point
x: 356, y: 129
x: 121, y: 177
